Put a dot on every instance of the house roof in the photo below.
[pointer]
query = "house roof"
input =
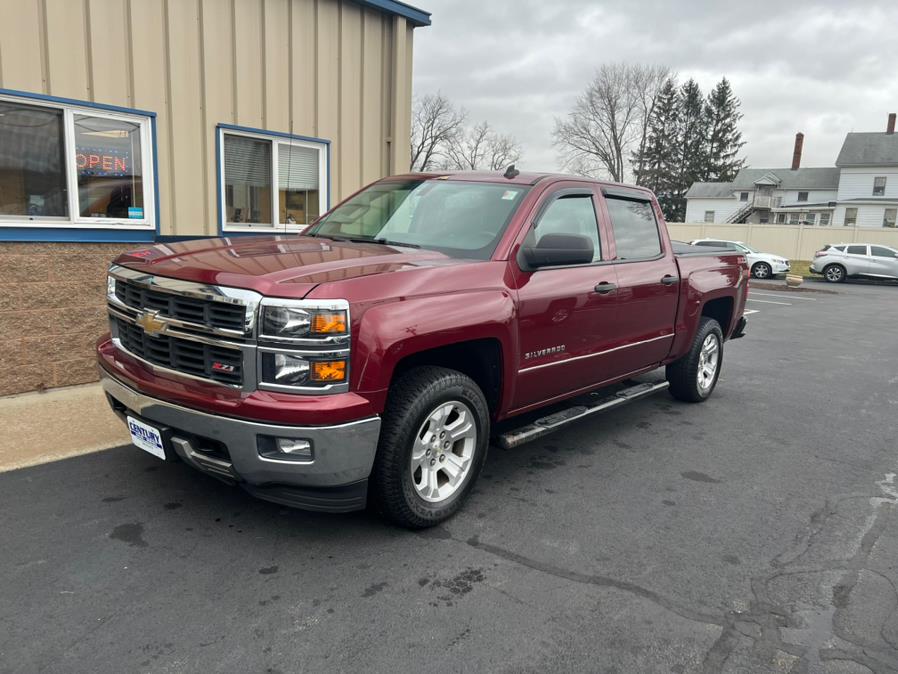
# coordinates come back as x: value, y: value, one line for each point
x: 710, y: 191
x: 820, y: 178
x: 416, y: 17
x: 869, y: 149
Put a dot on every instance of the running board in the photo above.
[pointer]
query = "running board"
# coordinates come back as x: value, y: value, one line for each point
x: 596, y: 403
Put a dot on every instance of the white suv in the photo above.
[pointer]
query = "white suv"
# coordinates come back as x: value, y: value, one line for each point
x: 762, y: 265
x: 838, y: 262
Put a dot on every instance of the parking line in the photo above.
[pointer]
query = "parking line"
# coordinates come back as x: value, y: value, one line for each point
x: 791, y: 297
x: 785, y: 304
x: 749, y: 312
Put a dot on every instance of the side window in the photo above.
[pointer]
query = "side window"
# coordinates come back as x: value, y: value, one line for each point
x: 635, y: 228
x: 881, y: 251
x: 857, y: 250
x: 570, y: 214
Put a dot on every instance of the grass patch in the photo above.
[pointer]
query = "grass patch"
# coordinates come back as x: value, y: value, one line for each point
x: 802, y: 268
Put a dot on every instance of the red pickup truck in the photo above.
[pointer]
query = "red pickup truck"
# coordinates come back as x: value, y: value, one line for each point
x: 372, y: 358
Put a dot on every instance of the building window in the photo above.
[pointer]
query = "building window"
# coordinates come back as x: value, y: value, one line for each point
x: 743, y: 196
x: 850, y: 217
x: 810, y: 219
x: 888, y: 217
x: 879, y: 186
x: 794, y: 218
x: 781, y: 218
x: 709, y: 216
x: 802, y: 196
x: 824, y: 219
x: 64, y: 166
x: 270, y: 181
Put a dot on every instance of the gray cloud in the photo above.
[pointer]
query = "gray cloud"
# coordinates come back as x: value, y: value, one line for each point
x: 824, y: 68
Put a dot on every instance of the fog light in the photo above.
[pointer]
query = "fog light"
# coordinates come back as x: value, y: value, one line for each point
x: 285, y: 449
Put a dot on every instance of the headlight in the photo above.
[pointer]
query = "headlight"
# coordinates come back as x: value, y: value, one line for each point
x: 282, y: 321
x: 284, y: 369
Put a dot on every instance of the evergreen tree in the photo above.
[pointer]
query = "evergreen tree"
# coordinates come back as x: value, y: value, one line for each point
x: 693, y: 150
x: 660, y: 156
x: 724, y: 137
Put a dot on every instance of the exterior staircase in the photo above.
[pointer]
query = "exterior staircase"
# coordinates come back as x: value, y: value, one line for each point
x: 742, y: 214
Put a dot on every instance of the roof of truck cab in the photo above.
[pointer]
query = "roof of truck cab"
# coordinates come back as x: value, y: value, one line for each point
x: 523, y: 178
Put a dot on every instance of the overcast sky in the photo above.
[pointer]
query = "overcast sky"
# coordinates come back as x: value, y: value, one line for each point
x: 824, y: 68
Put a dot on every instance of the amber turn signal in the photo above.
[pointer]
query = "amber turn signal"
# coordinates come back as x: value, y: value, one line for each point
x: 328, y: 370
x: 329, y: 322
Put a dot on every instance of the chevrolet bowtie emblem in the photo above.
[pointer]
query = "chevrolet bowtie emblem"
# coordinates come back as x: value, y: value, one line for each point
x: 151, y: 324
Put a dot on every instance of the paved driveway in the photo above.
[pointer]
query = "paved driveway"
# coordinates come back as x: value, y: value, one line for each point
x: 755, y: 533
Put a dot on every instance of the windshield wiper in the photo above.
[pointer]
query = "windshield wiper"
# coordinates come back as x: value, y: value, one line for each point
x: 387, y: 242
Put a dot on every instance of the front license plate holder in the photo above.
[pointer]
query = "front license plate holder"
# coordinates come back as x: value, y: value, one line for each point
x: 147, y: 437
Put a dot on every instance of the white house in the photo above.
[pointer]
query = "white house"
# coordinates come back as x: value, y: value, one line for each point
x: 861, y: 190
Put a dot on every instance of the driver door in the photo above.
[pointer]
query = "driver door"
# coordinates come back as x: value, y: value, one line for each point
x: 566, y: 314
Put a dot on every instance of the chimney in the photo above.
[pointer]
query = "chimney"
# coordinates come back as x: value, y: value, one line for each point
x: 890, y: 127
x: 796, y: 153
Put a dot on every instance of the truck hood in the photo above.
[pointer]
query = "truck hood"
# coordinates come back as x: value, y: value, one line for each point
x: 277, y: 266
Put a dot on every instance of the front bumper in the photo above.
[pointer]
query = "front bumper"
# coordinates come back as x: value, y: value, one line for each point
x: 334, y: 480
x: 781, y: 268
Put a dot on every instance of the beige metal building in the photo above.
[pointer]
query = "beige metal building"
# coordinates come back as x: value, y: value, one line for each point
x: 131, y: 121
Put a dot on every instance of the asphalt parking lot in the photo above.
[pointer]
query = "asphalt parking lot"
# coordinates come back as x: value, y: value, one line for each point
x: 755, y: 533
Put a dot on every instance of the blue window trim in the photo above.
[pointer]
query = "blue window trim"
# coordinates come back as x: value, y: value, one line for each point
x: 88, y: 235
x: 219, y: 168
x: 417, y: 17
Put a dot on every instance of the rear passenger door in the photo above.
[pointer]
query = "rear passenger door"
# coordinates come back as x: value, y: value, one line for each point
x: 857, y: 260
x: 647, y: 279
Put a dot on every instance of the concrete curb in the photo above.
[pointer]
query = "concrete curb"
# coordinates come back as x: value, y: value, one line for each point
x: 65, y: 422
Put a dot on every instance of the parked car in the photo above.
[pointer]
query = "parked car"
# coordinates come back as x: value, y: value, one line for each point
x: 762, y: 265
x: 844, y: 260
x: 374, y: 355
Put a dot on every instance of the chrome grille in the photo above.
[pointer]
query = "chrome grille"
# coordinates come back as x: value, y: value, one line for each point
x: 197, y: 359
x: 201, y: 312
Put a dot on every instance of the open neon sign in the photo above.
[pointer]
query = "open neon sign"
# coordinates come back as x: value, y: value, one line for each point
x: 99, y: 164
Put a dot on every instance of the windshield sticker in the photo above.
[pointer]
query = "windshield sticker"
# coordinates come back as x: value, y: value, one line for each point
x: 509, y: 195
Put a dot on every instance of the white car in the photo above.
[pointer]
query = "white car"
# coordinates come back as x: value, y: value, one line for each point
x: 843, y: 260
x: 762, y: 265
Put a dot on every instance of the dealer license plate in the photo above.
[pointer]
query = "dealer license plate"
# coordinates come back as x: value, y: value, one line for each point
x: 146, y: 437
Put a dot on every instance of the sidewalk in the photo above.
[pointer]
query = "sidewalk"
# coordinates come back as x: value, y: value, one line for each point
x: 42, y: 427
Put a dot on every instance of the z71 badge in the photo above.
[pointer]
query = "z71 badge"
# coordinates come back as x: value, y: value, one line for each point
x: 530, y: 355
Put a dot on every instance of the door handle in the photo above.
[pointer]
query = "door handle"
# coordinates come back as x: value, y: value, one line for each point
x: 669, y: 280
x: 604, y: 288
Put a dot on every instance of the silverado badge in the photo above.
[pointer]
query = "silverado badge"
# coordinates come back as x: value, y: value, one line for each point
x: 150, y: 323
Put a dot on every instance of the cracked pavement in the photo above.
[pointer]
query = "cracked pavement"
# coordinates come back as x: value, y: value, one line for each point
x: 755, y: 533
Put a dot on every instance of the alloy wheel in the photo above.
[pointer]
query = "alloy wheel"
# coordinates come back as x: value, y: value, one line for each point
x: 443, y: 451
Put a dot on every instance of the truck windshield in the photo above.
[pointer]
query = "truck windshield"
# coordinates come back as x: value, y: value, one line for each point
x: 460, y: 219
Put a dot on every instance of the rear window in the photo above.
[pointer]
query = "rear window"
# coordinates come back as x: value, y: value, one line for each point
x: 635, y: 228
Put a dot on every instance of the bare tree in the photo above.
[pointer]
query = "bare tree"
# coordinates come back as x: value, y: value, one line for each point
x: 435, y: 121
x: 609, y: 119
x: 649, y: 81
x: 481, y: 147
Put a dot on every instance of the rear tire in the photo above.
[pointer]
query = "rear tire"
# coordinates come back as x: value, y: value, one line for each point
x: 433, y: 442
x: 693, y: 377
x: 761, y: 270
x: 834, y: 273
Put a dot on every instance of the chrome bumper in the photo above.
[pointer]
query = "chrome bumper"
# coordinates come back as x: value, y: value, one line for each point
x: 342, y: 454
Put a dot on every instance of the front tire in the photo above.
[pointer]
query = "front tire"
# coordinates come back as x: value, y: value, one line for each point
x: 433, y: 443
x: 761, y: 270
x: 834, y: 273
x: 693, y: 377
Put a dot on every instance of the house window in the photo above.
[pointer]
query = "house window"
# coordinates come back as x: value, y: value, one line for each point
x: 781, y: 218
x: 810, y: 219
x: 802, y: 196
x: 824, y: 219
x: 888, y: 217
x: 794, y: 218
x: 743, y: 196
x: 64, y: 166
x: 850, y: 217
x: 879, y: 186
x: 709, y: 216
x: 271, y: 182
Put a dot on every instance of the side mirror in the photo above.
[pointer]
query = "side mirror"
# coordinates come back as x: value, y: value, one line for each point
x: 554, y: 250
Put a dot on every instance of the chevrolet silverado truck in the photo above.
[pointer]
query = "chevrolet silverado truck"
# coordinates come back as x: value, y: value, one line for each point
x: 372, y: 359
